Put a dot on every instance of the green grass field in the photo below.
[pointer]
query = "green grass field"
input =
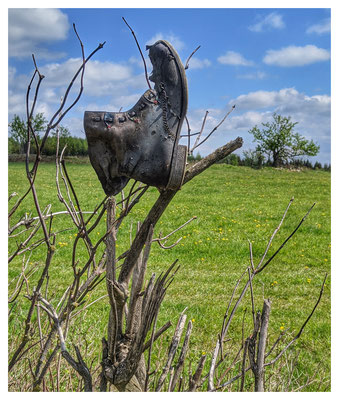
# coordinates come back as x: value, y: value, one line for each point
x: 232, y: 205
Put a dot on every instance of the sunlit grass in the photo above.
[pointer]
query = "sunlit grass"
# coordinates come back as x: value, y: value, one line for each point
x: 232, y: 205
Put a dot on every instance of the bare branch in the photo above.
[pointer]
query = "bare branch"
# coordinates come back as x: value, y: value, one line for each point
x: 285, y: 241
x: 143, y: 59
x: 80, y: 366
x: 302, y: 327
x: 259, y: 376
x: 182, y: 356
x: 164, y: 238
x: 274, y: 233
x: 199, y: 135
x: 197, y: 375
x: 193, y: 52
x: 172, y: 350
x: 215, y: 128
x: 157, y: 334
x: 163, y: 201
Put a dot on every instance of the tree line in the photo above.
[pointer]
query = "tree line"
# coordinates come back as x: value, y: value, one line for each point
x: 278, y: 145
x: 17, y: 140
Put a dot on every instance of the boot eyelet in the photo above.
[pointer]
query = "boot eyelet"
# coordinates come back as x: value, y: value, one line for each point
x: 96, y: 119
x: 132, y: 114
x: 150, y: 96
x: 108, y: 118
x: 122, y: 119
x: 142, y: 106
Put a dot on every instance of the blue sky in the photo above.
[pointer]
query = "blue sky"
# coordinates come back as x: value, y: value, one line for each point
x: 262, y: 60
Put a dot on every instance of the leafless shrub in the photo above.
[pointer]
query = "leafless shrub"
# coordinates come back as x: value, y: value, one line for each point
x: 42, y: 357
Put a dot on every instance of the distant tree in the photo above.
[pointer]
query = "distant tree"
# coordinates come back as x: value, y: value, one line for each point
x: 253, y: 158
x: 317, y: 165
x: 18, y: 131
x: 327, y: 167
x: 17, y: 141
x: 278, y: 141
x: 308, y: 164
x: 232, y: 159
x: 197, y: 157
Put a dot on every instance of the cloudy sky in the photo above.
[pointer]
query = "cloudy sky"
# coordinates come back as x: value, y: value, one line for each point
x: 261, y: 60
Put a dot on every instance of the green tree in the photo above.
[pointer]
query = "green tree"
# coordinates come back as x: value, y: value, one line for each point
x: 253, y: 158
x: 278, y: 141
x: 18, y: 131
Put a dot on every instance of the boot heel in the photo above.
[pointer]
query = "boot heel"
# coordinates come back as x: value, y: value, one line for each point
x: 178, y: 169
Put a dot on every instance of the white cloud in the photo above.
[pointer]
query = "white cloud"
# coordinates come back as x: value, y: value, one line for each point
x: 287, y: 100
x: 253, y: 76
x: 101, y: 77
x: 313, y: 114
x: 246, y: 120
x: 323, y: 26
x: 197, y: 63
x: 175, y: 41
x: 234, y: 58
x: 29, y: 28
x: 102, y: 80
x: 296, y: 56
x: 263, y: 99
x: 139, y: 62
x: 272, y: 20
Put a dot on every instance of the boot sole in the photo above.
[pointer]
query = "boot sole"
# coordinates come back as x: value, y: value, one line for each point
x: 179, y: 154
x: 178, y: 169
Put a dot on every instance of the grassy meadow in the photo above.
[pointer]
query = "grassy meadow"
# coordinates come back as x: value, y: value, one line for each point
x: 232, y: 205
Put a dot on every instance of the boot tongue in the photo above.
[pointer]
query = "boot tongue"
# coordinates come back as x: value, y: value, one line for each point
x: 167, y: 75
x: 164, y: 69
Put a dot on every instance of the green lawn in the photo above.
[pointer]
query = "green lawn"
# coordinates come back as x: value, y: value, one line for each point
x: 232, y: 205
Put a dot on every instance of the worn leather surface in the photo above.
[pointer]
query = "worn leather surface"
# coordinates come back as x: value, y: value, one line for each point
x: 142, y: 143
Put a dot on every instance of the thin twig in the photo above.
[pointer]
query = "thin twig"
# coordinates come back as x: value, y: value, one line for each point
x: 274, y: 233
x: 143, y: 59
x: 200, y: 133
x: 164, y: 238
x: 285, y: 241
x: 215, y: 128
x: 187, y: 65
x: 302, y: 327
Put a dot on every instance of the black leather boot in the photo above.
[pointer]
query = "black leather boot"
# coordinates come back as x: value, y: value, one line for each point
x: 143, y: 142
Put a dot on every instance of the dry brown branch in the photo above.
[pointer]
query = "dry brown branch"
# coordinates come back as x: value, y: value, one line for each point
x: 259, y: 376
x: 243, y: 365
x: 80, y: 366
x: 191, y: 55
x: 214, y: 129
x: 199, y: 135
x: 134, y: 317
x: 281, y: 335
x: 188, y: 134
x: 296, y: 337
x: 157, y: 334
x: 142, y: 56
x: 172, y: 350
x: 123, y: 373
x: 164, y: 238
x: 69, y: 207
x: 248, y: 284
x: 195, y: 381
x: 151, y: 341
x: 180, y: 363
x: 162, y: 203
x: 285, y: 241
x: 27, y: 221
x: 274, y: 233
